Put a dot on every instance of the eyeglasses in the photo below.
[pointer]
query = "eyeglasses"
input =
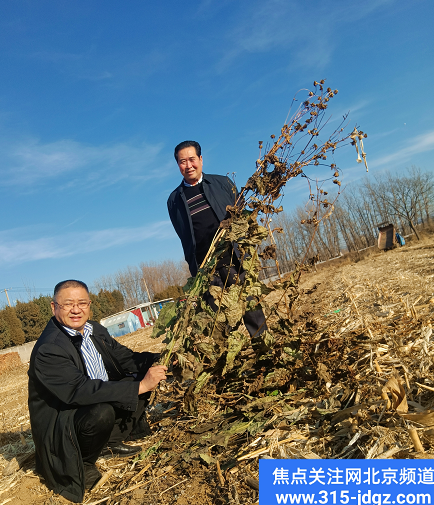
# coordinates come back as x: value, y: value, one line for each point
x: 70, y: 306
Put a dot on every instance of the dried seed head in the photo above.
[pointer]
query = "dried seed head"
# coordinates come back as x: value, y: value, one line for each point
x: 273, y: 136
x: 322, y: 81
x: 336, y: 174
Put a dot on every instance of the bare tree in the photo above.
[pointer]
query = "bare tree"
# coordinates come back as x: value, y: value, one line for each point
x: 404, y: 200
x: 128, y: 281
x: 159, y: 276
x: 405, y: 195
x: 424, y: 180
x: 132, y: 281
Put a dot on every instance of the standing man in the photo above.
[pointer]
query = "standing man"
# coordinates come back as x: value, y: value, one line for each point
x: 87, y: 394
x: 196, y: 208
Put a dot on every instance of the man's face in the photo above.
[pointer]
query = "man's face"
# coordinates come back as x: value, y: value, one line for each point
x: 66, y: 307
x: 190, y: 165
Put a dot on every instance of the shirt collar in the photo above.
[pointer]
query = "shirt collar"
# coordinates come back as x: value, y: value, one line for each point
x: 87, y: 330
x: 191, y: 185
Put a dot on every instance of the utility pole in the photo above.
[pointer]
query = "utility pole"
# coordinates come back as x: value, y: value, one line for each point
x: 147, y: 290
x: 151, y: 308
x: 7, y: 296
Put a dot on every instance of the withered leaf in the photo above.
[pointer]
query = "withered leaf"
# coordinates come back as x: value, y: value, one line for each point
x: 233, y: 306
x: 426, y: 418
x: 237, y: 230
x: 201, y: 381
x: 399, y: 399
x: 236, y: 341
x: 323, y: 373
x: 269, y: 253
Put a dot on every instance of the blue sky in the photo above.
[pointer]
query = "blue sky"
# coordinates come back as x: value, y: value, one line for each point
x: 94, y: 95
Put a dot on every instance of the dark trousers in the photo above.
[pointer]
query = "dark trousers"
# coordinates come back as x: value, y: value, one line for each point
x: 254, y: 320
x: 102, y: 424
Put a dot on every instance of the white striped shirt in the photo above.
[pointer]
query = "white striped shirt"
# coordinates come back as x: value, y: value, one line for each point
x: 91, y: 357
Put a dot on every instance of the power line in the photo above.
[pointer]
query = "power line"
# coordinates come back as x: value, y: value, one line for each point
x: 29, y: 289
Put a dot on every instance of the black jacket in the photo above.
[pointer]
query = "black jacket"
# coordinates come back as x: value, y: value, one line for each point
x: 58, y: 385
x: 219, y: 191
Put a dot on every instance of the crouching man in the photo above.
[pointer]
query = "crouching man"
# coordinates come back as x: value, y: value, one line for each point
x: 87, y: 394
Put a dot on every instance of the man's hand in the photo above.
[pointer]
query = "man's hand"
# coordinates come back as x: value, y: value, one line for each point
x: 153, y: 376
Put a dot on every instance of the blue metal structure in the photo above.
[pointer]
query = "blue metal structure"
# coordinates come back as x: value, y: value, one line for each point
x: 121, y: 324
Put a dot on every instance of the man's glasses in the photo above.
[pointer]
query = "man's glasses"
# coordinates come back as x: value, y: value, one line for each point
x: 69, y: 306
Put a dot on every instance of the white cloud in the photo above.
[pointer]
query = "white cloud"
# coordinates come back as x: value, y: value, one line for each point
x: 362, y: 107
x: 31, y: 163
x: 417, y: 145
x: 307, y: 32
x: 383, y: 134
x: 14, y: 250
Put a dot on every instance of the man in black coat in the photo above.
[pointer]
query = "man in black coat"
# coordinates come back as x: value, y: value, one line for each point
x: 196, y: 208
x: 87, y: 394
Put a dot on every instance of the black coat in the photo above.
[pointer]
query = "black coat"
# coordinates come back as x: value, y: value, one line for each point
x: 219, y: 191
x: 58, y: 385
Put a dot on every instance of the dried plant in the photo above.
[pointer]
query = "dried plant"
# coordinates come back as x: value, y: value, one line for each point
x: 215, y: 346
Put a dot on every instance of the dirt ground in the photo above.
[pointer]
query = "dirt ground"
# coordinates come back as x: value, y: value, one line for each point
x: 378, y: 285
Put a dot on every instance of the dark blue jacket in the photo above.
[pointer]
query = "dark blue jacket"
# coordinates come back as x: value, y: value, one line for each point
x: 220, y: 191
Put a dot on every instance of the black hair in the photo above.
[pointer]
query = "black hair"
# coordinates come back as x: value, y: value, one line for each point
x: 188, y: 143
x: 70, y: 283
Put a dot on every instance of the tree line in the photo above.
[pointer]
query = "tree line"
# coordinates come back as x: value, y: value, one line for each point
x: 406, y: 201
x: 26, y: 320
x: 125, y: 288
x: 150, y: 281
